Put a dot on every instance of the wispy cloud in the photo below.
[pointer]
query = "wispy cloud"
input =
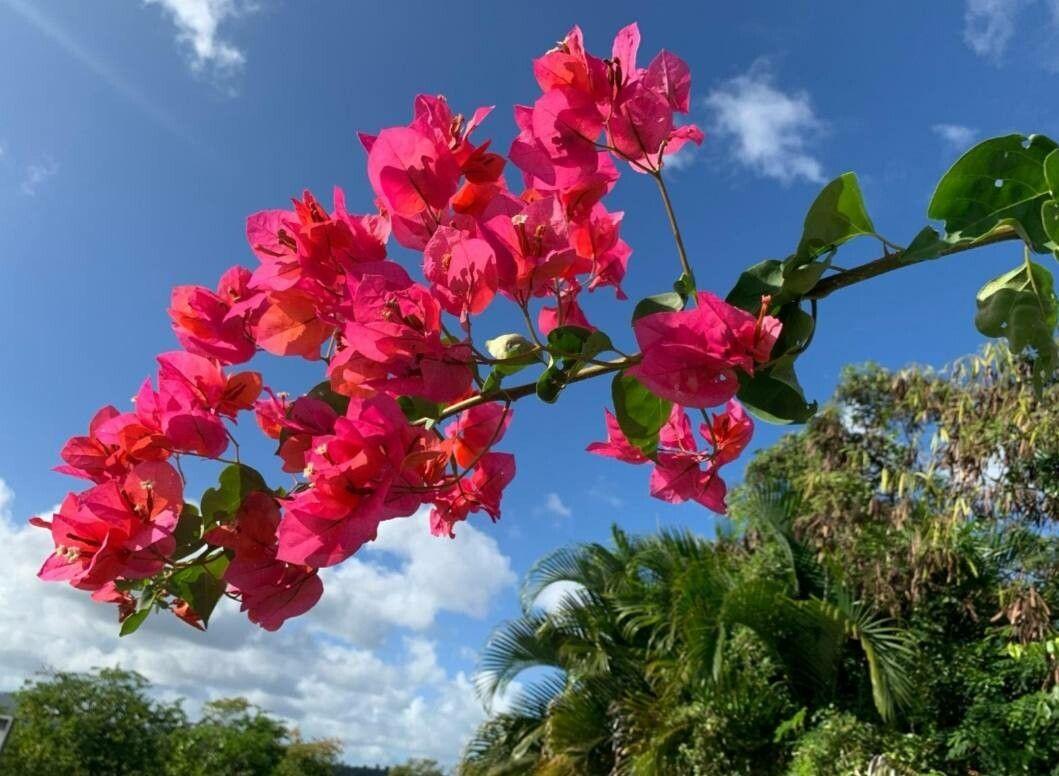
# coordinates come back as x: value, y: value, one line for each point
x: 198, y: 24
x: 771, y: 130
x: 682, y: 159
x: 37, y: 173
x: 989, y: 25
x: 554, y: 505
x: 955, y: 136
x: 95, y: 64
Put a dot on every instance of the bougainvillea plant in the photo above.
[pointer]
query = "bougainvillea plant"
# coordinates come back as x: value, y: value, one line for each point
x: 411, y: 406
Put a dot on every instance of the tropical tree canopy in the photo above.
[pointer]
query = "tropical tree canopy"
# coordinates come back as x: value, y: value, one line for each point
x: 881, y: 601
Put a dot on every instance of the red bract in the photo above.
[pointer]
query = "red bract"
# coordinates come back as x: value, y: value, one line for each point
x: 584, y: 95
x: 214, y: 324
x: 617, y: 445
x: 270, y: 590
x: 119, y: 529
x: 682, y: 472
x: 194, y: 395
x: 351, y: 475
x: 476, y: 430
x: 462, y: 270
x: 392, y: 341
x: 691, y: 357
x: 115, y: 442
x: 481, y: 491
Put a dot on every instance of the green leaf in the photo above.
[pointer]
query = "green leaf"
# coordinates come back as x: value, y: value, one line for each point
x: 1051, y: 172
x: 1021, y: 306
x: 417, y: 408
x: 550, y: 383
x: 1050, y: 219
x: 999, y: 182
x: 836, y: 215
x: 797, y: 330
x: 775, y: 395
x: 324, y: 392
x: 570, y: 347
x: 640, y: 413
x: 928, y: 244
x: 237, y: 481
x: 201, y: 585
x: 578, y: 344
x: 798, y: 281
x: 133, y: 622
x: 568, y: 340
x: 684, y: 286
x: 669, y: 302
x: 765, y: 277
x: 188, y: 531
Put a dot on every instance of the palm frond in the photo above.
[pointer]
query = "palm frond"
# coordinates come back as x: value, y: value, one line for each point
x: 513, y: 647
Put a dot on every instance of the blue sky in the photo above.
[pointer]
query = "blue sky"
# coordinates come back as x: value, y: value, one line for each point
x: 136, y: 138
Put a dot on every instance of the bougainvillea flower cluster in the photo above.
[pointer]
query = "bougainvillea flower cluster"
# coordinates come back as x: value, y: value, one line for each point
x: 410, y: 409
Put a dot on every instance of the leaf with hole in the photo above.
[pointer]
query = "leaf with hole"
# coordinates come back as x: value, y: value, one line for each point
x: 999, y: 182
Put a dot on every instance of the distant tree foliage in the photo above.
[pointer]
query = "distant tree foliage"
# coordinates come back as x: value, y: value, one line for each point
x: 882, y: 602
x: 104, y: 723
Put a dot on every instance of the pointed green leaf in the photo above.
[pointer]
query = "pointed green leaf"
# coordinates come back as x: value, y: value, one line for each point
x: 1051, y: 172
x: 188, y: 531
x: 775, y: 395
x: 325, y: 393
x: 201, y: 585
x: 640, y: 413
x: 132, y: 623
x: 765, y: 277
x: 836, y: 215
x: 668, y: 302
x: 416, y: 408
x: 797, y: 330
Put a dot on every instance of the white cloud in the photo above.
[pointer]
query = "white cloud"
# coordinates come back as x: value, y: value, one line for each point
x: 989, y: 25
x: 461, y: 576
x: 326, y: 671
x: 955, y: 136
x: 198, y: 24
x: 771, y: 129
x: 554, y: 505
x: 685, y: 157
x: 37, y: 174
x: 550, y: 597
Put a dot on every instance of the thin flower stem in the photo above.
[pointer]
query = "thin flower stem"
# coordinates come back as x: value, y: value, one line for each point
x: 674, y: 227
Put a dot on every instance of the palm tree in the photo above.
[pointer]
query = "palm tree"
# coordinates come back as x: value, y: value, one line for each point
x: 616, y: 677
